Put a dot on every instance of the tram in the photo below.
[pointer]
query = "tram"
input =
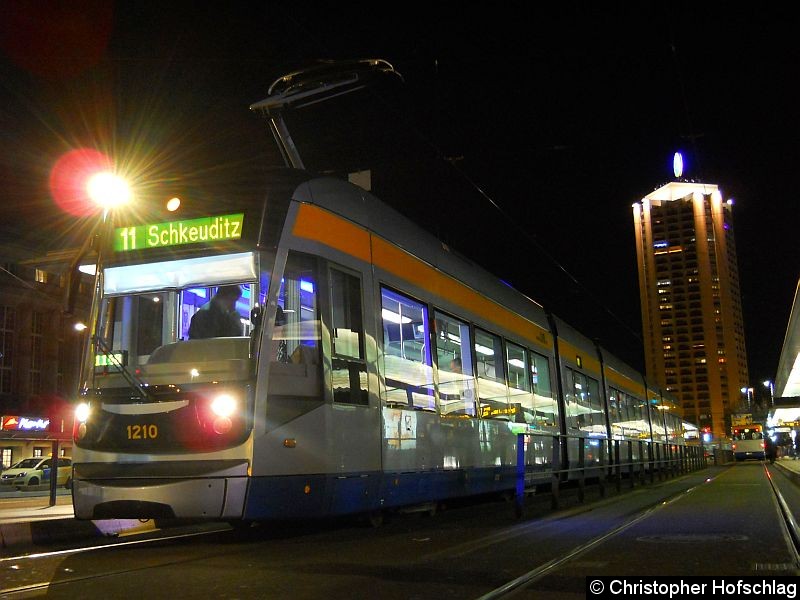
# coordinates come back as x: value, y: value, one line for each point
x: 748, y: 442
x: 374, y: 367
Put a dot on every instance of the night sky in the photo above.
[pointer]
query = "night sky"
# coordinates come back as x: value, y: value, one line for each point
x: 522, y: 136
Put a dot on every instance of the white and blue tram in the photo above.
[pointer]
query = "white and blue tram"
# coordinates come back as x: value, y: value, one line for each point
x: 375, y: 368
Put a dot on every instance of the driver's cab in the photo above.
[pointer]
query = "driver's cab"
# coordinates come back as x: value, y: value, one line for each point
x: 142, y: 329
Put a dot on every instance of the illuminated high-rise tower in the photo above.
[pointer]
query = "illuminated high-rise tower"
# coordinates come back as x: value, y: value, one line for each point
x: 691, y: 304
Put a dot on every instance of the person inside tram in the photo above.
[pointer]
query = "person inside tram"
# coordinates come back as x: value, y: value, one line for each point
x: 218, y: 317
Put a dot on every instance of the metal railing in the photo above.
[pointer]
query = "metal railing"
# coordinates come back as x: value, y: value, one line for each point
x: 633, y: 461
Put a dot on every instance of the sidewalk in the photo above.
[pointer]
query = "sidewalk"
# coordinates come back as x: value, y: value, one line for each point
x: 790, y: 465
x: 30, y: 522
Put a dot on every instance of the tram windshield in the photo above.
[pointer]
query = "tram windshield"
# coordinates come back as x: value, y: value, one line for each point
x: 144, y: 333
x: 146, y: 336
x: 750, y: 432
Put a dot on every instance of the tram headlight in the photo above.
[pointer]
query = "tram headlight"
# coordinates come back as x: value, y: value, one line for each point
x: 223, y: 405
x: 82, y: 412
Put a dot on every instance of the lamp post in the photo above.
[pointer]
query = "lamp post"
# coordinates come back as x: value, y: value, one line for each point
x: 108, y: 191
x: 768, y: 384
x: 748, y: 392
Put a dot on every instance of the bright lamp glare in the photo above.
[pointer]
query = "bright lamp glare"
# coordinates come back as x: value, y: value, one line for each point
x: 223, y: 405
x: 173, y: 204
x: 82, y: 412
x: 108, y: 190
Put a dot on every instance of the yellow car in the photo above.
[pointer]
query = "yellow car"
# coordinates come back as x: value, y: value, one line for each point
x: 30, y: 473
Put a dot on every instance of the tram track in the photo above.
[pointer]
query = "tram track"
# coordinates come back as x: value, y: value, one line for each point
x: 40, y: 563
x: 780, y: 486
x: 55, y: 576
x: 788, y: 520
x: 524, y: 581
x: 441, y: 553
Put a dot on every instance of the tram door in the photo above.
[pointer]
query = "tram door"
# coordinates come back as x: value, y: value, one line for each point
x: 348, y: 366
x: 356, y: 426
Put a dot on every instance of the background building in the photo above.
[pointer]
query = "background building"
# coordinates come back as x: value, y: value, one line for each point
x: 39, y: 353
x: 691, y: 305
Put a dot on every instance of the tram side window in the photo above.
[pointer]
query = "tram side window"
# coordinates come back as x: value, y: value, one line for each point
x: 545, y: 406
x: 674, y: 427
x: 492, y: 391
x: 570, y: 403
x: 584, y: 410
x: 657, y: 423
x: 613, y: 412
x: 297, y: 299
x: 519, y: 385
x: 295, y: 368
x: 348, y: 368
x: 407, y: 370
x: 632, y: 423
x: 626, y: 420
x: 454, y: 366
x: 638, y: 411
x: 596, y: 422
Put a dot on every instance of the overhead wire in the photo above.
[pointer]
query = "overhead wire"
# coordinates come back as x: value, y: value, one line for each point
x: 515, y: 223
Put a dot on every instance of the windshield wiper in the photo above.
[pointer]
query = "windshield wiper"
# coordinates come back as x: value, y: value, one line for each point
x: 133, y: 380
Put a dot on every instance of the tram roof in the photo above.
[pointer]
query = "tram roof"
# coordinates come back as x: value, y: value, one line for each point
x: 368, y: 211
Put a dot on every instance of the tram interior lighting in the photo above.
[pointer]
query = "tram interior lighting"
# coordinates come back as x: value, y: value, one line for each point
x: 393, y: 317
x: 484, y: 350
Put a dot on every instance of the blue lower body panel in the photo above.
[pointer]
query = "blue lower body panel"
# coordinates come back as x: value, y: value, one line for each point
x: 323, y: 495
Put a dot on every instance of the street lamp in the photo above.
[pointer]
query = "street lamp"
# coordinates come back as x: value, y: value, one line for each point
x: 768, y: 384
x: 108, y: 190
x: 748, y: 391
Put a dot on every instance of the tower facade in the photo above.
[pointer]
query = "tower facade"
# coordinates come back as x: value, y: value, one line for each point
x: 691, y: 303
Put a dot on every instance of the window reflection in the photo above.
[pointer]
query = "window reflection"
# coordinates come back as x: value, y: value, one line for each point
x: 545, y: 406
x: 492, y: 391
x: 627, y: 416
x: 295, y: 345
x: 408, y: 374
x: 454, y: 361
x: 348, y: 368
x: 584, y: 405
